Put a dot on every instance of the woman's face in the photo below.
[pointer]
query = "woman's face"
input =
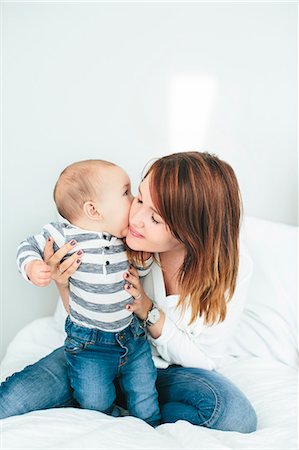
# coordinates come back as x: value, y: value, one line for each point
x: 147, y: 230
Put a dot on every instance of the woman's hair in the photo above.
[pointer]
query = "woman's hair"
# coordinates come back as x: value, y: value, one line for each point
x: 198, y: 197
x: 79, y: 182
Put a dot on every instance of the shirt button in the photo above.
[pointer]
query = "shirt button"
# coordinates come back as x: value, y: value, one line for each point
x: 107, y: 263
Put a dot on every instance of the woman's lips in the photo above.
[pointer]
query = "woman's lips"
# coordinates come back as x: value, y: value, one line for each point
x: 135, y: 233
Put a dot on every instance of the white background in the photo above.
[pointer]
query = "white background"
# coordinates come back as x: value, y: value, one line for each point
x: 132, y: 81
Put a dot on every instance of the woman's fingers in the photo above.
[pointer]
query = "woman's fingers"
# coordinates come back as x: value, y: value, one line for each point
x: 133, y: 271
x: 132, y: 290
x: 133, y: 285
x: 54, y: 259
x: 132, y: 277
x: 65, y: 274
x: 69, y: 262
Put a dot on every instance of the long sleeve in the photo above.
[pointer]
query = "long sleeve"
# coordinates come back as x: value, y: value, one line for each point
x: 177, y: 346
x: 146, y: 268
x: 32, y: 248
x: 199, y: 345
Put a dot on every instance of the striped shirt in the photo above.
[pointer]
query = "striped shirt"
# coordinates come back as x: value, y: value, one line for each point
x: 97, y: 295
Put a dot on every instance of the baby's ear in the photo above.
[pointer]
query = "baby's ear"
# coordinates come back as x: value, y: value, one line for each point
x: 91, y: 211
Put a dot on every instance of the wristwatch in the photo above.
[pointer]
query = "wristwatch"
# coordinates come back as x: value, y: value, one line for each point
x: 153, y: 316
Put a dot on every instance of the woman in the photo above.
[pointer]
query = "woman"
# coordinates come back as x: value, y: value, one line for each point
x: 187, y: 212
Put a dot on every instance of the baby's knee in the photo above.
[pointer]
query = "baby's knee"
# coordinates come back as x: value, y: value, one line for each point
x: 98, y: 401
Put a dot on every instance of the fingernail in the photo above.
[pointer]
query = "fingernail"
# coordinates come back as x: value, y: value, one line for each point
x: 79, y: 252
x: 49, y: 239
x: 78, y: 261
x: 73, y: 242
x: 126, y: 275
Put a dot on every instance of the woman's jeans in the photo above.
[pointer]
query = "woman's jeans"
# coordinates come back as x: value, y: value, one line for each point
x: 96, y: 358
x: 198, y: 396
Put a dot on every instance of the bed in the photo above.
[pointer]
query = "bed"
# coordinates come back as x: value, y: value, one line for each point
x: 262, y: 360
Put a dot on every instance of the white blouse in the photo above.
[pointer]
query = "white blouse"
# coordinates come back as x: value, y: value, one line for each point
x: 195, y: 345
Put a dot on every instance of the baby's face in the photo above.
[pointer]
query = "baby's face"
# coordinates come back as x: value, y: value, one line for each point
x: 116, y: 199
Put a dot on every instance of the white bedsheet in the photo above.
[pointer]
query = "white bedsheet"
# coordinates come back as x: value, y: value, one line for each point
x: 270, y: 385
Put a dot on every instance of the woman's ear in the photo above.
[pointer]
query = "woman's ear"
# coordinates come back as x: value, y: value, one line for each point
x: 91, y: 211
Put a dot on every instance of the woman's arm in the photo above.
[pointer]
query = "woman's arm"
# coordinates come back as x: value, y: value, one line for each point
x: 155, y: 330
x: 64, y: 293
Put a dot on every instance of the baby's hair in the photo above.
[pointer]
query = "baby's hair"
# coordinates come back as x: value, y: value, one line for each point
x: 77, y: 184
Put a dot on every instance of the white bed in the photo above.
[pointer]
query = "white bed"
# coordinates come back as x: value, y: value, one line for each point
x: 264, y: 366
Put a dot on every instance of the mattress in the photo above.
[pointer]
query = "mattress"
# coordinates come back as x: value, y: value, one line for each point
x: 270, y: 385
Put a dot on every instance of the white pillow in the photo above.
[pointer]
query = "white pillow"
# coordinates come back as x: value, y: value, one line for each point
x: 268, y: 325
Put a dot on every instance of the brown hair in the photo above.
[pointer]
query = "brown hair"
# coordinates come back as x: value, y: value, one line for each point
x: 198, y: 197
x: 77, y: 184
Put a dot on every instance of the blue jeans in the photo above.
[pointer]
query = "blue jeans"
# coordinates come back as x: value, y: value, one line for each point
x: 199, y: 396
x: 96, y: 358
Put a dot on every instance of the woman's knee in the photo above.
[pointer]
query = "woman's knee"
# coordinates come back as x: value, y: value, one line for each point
x: 232, y: 412
x: 205, y: 398
x: 44, y: 384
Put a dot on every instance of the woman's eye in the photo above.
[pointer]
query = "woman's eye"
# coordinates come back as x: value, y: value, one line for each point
x: 153, y: 219
x: 126, y: 192
x: 139, y: 200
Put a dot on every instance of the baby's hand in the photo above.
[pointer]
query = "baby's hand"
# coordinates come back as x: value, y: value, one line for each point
x: 38, y: 272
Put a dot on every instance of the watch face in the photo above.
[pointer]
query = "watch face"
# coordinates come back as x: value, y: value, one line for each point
x: 154, y: 315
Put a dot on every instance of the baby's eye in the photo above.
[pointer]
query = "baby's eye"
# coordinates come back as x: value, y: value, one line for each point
x: 126, y: 192
x: 139, y: 200
x: 153, y: 219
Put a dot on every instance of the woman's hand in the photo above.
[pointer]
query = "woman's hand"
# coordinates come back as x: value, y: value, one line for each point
x: 60, y: 272
x: 142, y: 303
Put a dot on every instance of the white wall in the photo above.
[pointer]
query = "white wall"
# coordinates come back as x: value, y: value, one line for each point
x: 132, y: 81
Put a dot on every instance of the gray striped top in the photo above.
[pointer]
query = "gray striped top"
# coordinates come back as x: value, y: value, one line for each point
x: 97, y: 294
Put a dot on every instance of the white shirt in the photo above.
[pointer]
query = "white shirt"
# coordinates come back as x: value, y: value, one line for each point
x: 196, y: 345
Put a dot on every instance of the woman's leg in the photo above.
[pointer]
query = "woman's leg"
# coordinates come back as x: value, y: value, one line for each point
x: 42, y: 385
x: 204, y: 398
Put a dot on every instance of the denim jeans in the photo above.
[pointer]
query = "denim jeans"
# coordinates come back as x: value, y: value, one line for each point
x: 96, y: 358
x: 199, y: 396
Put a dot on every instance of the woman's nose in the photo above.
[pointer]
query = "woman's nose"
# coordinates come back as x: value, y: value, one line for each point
x: 136, y: 219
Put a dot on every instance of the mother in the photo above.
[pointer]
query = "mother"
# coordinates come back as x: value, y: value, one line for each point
x: 187, y: 212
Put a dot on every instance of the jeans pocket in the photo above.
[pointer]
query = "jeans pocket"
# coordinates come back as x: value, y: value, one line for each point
x: 72, y: 345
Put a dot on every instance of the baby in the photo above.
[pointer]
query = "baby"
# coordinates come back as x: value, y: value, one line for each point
x: 104, y: 340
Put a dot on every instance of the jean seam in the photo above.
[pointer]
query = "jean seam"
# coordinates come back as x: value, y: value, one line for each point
x: 217, y: 398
